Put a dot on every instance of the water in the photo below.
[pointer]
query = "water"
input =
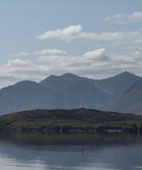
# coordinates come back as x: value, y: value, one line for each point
x: 71, y: 152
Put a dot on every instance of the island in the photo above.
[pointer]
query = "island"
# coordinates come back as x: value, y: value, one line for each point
x: 70, y: 121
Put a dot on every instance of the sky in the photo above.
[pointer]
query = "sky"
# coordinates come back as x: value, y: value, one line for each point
x: 91, y: 38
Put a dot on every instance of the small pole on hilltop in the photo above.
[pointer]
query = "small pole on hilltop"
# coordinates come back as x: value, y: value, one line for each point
x: 82, y: 107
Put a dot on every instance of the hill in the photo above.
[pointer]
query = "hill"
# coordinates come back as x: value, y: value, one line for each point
x: 77, y: 120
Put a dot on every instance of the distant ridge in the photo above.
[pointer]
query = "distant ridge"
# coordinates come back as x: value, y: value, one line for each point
x: 117, y: 85
x: 60, y: 82
x: 121, y: 92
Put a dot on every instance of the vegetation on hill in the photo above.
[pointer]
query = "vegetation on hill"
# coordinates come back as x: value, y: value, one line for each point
x: 77, y: 120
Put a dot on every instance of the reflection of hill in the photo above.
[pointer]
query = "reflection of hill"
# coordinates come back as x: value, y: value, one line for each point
x: 70, y: 139
x: 71, y: 151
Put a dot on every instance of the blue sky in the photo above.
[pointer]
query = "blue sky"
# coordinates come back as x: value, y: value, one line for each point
x: 94, y: 38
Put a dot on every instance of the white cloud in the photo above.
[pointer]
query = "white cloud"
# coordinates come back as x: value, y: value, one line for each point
x: 68, y: 33
x: 98, y: 63
x: 99, y: 54
x: 19, y: 63
x: 123, y: 19
x: 40, y: 52
x: 20, y: 54
x: 75, y: 32
x: 49, y: 52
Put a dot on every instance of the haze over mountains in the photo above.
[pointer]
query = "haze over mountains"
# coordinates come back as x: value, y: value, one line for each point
x: 121, y: 93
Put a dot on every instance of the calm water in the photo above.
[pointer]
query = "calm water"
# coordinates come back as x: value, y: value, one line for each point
x: 70, y: 152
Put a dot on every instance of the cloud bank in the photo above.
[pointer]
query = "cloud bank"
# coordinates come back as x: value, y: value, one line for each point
x: 123, y: 19
x: 40, y: 52
x: 75, y: 32
x: 97, y: 63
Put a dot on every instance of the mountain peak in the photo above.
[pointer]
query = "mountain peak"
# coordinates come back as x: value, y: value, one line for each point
x: 52, y: 76
x: 127, y: 73
x: 69, y: 75
x: 59, y: 82
x: 25, y: 82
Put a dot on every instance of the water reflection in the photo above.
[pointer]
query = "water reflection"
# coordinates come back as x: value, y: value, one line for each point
x: 70, y: 152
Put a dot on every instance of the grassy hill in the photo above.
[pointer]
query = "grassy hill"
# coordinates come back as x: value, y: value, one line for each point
x: 76, y: 120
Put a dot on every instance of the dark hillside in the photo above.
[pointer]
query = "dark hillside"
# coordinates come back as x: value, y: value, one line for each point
x: 69, y: 121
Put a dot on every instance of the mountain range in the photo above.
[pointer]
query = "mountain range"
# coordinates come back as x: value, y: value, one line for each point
x: 120, y: 93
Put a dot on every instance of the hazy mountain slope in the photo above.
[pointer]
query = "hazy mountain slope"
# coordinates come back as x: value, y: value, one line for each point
x: 70, y: 91
x: 131, y: 101
x: 18, y: 96
x: 115, y: 86
x: 60, y: 82
x: 74, y: 95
